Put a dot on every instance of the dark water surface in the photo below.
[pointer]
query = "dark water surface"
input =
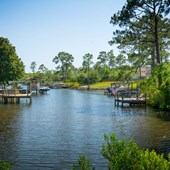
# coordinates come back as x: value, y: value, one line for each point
x: 56, y: 128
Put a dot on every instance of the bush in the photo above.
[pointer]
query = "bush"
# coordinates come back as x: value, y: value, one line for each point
x: 74, y: 85
x: 83, y: 164
x: 126, y: 155
x: 157, y: 87
x: 5, y: 165
x: 122, y: 155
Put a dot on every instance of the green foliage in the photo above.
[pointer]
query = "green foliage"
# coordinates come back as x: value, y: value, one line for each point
x: 11, y: 66
x: 100, y: 85
x: 125, y: 73
x: 105, y: 74
x: 33, y: 66
x: 42, y: 68
x: 82, y: 78
x: 103, y: 58
x: 154, y: 161
x: 5, y: 165
x: 158, y: 94
x: 74, y: 85
x: 114, y: 74
x: 123, y: 155
x: 87, y: 62
x: 143, y: 35
x: 83, y: 164
x: 93, y: 77
x: 64, y: 62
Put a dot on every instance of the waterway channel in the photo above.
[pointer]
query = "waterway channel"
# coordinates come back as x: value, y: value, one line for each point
x: 53, y: 131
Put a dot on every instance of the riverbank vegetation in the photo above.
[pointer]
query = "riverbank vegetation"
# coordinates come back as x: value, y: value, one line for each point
x: 122, y: 155
x: 158, y: 93
x: 4, y: 165
x: 11, y: 66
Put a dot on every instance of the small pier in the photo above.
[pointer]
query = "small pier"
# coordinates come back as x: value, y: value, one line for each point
x: 10, y: 96
x: 15, y: 91
x: 132, y: 99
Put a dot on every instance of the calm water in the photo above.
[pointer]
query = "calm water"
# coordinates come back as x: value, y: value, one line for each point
x: 56, y: 128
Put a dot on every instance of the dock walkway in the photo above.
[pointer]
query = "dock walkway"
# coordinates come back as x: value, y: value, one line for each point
x: 129, y: 98
x: 13, y: 96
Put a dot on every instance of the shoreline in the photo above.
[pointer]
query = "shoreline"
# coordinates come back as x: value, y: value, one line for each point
x: 91, y: 88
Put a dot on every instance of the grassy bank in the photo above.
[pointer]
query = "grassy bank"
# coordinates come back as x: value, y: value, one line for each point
x: 100, y: 85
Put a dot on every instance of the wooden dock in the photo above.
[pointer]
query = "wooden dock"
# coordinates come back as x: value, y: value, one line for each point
x: 13, y: 96
x: 128, y: 98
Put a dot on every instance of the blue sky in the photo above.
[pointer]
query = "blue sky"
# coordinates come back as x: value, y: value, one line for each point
x: 40, y: 29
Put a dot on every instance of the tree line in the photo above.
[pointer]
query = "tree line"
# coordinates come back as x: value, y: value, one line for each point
x: 107, y: 68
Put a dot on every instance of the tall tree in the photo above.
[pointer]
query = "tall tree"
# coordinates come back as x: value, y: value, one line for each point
x: 103, y: 58
x: 111, y: 59
x: 11, y: 66
x: 87, y: 62
x: 97, y: 67
x: 64, y: 63
x: 120, y: 60
x: 145, y: 17
x: 33, y: 66
x: 42, y: 68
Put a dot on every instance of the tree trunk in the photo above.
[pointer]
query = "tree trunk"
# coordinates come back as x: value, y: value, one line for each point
x: 157, y: 50
x: 153, y: 60
x: 157, y: 41
x: 88, y: 80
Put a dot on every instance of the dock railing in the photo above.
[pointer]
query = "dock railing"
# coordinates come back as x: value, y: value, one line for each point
x: 129, y: 97
x: 13, y: 95
x: 9, y: 92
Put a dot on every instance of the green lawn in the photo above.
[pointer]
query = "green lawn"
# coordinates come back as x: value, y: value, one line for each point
x: 98, y: 85
x: 101, y: 84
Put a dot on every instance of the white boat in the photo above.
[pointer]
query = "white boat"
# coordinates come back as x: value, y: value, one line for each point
x: 44, y: 89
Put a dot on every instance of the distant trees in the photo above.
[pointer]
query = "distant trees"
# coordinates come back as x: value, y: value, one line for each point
x: 103, y: 58
x: 111, y: 59
x: 11, y: 66
x: 42, y: 68
x: 105, y: 64
x: 33, y: 66
x: 87, y: 62
x: 64, y: 62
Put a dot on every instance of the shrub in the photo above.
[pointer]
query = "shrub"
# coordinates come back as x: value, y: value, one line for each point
x: 5, y: 165
x: 74, y: 85
x: 122, y: 155
x: 83, y: 164
x: 158, y: 94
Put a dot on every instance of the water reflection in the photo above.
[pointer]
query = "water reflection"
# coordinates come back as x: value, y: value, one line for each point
x: 8, y: 130
x: 58, y: 127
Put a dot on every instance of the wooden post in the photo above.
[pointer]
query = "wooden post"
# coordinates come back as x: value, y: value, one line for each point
x: 30, y: 99
x: 122, y: 99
